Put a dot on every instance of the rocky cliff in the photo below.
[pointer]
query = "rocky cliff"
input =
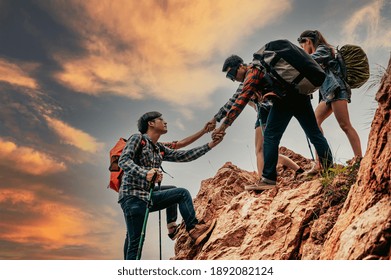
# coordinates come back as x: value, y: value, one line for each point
x: 344, y: 214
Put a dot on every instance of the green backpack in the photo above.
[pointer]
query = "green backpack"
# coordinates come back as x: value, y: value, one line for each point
x: 354, y: 65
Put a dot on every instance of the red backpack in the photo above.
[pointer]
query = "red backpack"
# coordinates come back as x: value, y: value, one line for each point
x: 115, y: 171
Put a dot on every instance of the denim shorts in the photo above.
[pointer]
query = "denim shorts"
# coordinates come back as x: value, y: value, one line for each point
x: 339, y: 94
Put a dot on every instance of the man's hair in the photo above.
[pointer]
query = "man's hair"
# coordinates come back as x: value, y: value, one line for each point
x: 232, y: 61
x: 142, y: 123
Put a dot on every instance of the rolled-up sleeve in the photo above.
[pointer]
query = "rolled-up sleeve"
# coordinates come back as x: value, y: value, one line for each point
x: 250, y: 86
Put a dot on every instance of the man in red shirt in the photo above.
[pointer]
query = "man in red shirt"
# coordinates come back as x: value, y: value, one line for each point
x: 256, y: 85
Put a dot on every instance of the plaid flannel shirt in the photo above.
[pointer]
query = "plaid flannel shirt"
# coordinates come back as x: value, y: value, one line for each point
x: 252, y: 86
x: 134, y: 180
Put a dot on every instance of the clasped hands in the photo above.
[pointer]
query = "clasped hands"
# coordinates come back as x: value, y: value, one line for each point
x: 217, y: 134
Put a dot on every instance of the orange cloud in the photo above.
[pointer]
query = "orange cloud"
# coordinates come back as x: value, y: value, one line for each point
x: 16, y: 75
x: 74, y: 136
x: 162, y: 49
x: 28, y: 160
x: 95, y: 75
x: 53, y: 225
x: 16, y: 197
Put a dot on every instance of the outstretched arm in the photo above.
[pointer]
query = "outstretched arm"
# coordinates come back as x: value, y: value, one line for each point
x: 252, y: 81
x: 192, y: 154
x: 190, y: 139
x: 222, y: 113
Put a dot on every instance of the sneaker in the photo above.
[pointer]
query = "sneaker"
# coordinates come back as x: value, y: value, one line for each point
x: 261, y: 185
x: 201, y: 231
x: 173, y: 234
x: 355, y: 161
x: 312, y: 171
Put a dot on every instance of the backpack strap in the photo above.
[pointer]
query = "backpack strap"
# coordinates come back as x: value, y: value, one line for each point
x: 141, y: 145
x: 162, y: 147
x: 269, y: 81
x: 338, y: 57
x: 137, y: 155
x: 139, y: 149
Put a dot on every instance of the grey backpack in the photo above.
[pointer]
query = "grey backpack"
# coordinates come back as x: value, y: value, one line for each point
x: 290, y: 67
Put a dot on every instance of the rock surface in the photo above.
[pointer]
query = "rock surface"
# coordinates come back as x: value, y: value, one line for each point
x: 344, y: 214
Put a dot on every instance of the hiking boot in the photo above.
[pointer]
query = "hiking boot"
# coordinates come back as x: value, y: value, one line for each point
x: 261, y: 185
x: 173, y: 231
x: 201, y: 231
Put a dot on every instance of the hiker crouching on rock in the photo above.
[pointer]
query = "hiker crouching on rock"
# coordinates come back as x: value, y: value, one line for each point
x: 255, y: 87
x: 134, y: 190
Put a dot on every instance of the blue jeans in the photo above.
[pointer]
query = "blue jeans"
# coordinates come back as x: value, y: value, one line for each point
x: 134, y: 212
x: 298, y: 106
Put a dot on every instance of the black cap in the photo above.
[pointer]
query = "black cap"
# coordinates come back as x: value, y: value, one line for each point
x: 142, y: 123
x: 232, y: 61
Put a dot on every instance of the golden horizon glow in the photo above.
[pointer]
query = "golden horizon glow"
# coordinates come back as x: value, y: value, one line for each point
x: 53, y: 224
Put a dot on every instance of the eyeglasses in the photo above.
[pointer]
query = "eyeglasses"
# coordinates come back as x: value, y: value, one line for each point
x: 231, y: 74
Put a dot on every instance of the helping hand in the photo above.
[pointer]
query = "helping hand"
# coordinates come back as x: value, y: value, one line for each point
x: 217, y: 138
x: 210, y: 125
x: 217, y: 132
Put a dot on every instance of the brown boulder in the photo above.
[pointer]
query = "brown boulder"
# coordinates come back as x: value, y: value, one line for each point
x: 343, y: 214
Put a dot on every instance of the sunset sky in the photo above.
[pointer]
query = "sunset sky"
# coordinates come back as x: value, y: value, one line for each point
x: 76, y: 75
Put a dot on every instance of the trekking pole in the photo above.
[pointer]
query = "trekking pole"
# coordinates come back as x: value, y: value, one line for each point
x: 309, y: 145
x: 160, y: 227
x: 142, y: 236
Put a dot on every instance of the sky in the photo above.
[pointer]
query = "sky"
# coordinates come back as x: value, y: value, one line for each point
x: 76, y: 75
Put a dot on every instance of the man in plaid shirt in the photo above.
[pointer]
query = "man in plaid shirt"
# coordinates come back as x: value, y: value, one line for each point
x: 133, y: 193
